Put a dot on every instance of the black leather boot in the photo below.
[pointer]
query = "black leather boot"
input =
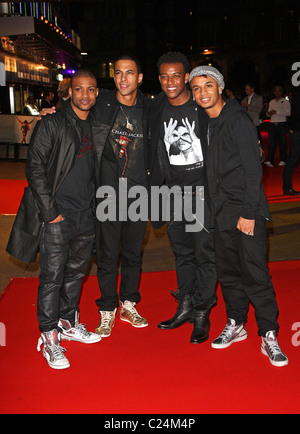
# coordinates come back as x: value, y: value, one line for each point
x: 183, y: 314
x: 201, y: 325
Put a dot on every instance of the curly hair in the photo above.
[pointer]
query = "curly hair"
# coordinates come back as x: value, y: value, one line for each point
x: 174, y: 57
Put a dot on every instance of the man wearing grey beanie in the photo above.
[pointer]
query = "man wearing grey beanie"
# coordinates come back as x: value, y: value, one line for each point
x: 240, y: 209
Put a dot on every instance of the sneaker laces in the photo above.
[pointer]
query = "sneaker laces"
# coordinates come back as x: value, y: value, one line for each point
x: 106, y: 317
x: 273, y: 347
x: 130, y: 307
x: 227, y: 332
x: 81, y: 329
x: 57, y: 351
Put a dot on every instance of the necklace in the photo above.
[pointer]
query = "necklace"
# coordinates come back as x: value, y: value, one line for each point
x: 129, y: 126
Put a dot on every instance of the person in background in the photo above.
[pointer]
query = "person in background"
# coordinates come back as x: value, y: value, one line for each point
x: 279, y: 109
x: 229, y: 94
x: 234, y: 176
x: 47, y: 101
x: 294, y: 155
x: 31, y: 107
x: 63, y: 93
x: 253, y: 104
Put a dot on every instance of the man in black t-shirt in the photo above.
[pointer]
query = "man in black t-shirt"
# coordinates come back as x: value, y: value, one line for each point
x: 123, y: 165
x: 175, y: 121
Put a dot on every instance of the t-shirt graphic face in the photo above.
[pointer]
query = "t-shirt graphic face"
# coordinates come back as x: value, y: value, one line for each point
x: 182, y: 144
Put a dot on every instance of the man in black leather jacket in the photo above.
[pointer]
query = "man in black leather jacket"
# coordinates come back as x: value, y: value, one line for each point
x: 56, y: 215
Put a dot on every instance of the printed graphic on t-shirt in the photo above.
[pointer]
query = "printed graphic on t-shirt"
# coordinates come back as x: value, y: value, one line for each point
x: 126, y: 139
x: 182, y: 144
x: 87, y: 146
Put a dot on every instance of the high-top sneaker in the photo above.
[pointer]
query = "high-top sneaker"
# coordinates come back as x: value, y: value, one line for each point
x: 271, y: 349
x: 78, y: 333
x: 232, y: 333
x: 52, y: 351
x: 129, y: 314
x: 106, y: 324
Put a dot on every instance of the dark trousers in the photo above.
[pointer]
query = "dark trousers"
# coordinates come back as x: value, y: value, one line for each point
x: 292, y: 160
x: 244, y: 276
x: 194, y: 261
x: 65, y: 251
x: 277, y: 132
x: 127, y: 236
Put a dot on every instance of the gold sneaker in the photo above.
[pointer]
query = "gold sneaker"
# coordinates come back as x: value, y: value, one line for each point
x: 106, y: 324
x: 129, y: 313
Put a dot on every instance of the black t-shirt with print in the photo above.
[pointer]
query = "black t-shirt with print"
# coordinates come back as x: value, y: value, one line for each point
x: 180, y: 134
x: 77, y: 191
x: 125, y: 147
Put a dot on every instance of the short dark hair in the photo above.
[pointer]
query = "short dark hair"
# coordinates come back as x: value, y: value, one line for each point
x: 133, y: 59
x: 174, y: 57
x: 83, y: 73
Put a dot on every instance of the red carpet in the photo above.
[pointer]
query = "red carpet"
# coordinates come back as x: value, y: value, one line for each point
x: 11, y: 192
x: 149, y: 371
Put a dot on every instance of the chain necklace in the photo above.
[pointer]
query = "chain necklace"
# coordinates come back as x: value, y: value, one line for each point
x: 129, y: 126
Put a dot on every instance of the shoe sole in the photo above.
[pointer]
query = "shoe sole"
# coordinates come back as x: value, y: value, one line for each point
x: 223, y: 346
x: 65, y: 338
x: 57, y: 368
x: 276, y: 364
x: 133, y: 325
x: 200, y: 341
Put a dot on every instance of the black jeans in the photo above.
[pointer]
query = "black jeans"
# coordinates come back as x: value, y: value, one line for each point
x: 292, y: 160
x: 65, y: 251
x: 244, y: 276
x: 277, y: 132
x: 194, y: 261
x: 128, y: 236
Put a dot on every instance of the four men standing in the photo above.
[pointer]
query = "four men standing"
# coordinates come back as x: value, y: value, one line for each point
x: 126, y: 141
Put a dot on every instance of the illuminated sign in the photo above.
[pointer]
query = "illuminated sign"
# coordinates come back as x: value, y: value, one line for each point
x: 18, y: 70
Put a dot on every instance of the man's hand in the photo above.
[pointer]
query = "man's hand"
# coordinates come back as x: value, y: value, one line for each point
x: 46, y: 111
x: 58, y: 219
x: 246, y: 226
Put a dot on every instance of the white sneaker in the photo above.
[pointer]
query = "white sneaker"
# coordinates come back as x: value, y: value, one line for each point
x: 282, y: 163
x: 271, y: 349
x: 52, y: 351
x: 232, y: 333
x: 78, y: 333
x: 269, y: 164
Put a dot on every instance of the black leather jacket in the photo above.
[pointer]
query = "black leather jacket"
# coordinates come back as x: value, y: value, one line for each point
x: 52, y: 153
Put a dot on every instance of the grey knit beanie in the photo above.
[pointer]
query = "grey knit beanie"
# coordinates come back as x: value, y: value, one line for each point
x: 211, y: 72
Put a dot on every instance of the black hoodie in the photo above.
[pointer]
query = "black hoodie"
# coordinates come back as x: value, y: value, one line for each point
x: 234, y: 170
